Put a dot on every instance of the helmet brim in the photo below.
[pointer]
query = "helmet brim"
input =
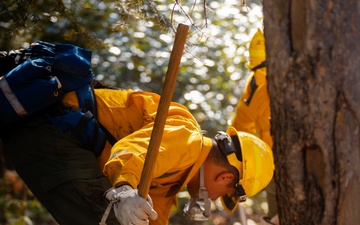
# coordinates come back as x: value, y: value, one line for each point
x: 229, y: 203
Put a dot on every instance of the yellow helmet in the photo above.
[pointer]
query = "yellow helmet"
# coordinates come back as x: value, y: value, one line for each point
x: 254, y: 162
x: 257, y: 49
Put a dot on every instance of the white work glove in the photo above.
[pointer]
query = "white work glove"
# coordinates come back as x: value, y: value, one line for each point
x: 129, y: 207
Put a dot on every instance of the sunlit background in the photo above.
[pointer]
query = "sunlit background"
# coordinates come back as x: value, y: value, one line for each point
x: 132, y: 53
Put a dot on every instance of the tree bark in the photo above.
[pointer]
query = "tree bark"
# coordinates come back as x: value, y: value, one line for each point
x: 313, y: 62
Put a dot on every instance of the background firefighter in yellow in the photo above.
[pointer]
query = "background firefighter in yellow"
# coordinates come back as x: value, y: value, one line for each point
x: 253, y: 109
x: 71, y: 181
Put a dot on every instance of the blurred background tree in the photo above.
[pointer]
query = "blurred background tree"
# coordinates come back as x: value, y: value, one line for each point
x: 131, y: 42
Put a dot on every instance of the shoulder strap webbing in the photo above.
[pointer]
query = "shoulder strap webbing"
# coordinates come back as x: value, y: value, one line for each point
x: 87, y: 101
x: 253, y: 87
x: 261, y: 65
x: 109, y: 137
x: 253, y: 84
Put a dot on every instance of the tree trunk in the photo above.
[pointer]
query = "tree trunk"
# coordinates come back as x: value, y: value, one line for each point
x: 313, y: 56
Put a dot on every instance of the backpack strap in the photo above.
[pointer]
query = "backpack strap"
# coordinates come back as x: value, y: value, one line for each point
x: 261, y: 65
x: 253, y: 87
x: 109, y: 137
x: 96, y: 145
x: 253, y: 84
x: 87, y: 101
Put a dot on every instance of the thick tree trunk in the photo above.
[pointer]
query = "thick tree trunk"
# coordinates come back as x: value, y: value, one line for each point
x: 313, y: 55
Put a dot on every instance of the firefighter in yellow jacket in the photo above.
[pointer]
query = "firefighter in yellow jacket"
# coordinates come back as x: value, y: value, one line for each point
x: 253, y: 109
x: 71, y: 182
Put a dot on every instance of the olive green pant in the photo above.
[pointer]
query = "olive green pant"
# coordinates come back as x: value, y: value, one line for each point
x: 63, y: 176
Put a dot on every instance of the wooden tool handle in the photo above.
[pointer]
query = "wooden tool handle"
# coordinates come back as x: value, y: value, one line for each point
x: 163, y: 108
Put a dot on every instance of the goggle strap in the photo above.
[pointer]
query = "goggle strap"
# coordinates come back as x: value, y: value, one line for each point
x: 240, y: 192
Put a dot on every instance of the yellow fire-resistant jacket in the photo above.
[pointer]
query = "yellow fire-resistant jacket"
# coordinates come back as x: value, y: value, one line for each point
x: 253, y: 109
x: 130, y: 116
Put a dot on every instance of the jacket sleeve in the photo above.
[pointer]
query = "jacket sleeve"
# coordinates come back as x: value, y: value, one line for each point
x: 179, y: 149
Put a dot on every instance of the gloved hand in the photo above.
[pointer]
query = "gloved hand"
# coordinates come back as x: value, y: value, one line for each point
x: 130, y: 208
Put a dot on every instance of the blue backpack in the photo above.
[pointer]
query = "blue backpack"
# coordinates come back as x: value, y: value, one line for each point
x: 35, y: 80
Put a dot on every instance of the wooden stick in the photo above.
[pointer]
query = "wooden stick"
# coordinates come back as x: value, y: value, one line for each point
x: 162, y: 111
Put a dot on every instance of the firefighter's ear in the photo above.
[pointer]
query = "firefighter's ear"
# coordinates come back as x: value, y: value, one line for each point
x: 225, y: 177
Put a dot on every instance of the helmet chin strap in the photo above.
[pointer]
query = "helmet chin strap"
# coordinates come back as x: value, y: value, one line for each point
x: 203, y: 194
x: 198, y: 209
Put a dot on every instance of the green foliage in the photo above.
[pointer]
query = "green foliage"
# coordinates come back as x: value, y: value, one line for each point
x: 20, y: 207
x: 132, y: 40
